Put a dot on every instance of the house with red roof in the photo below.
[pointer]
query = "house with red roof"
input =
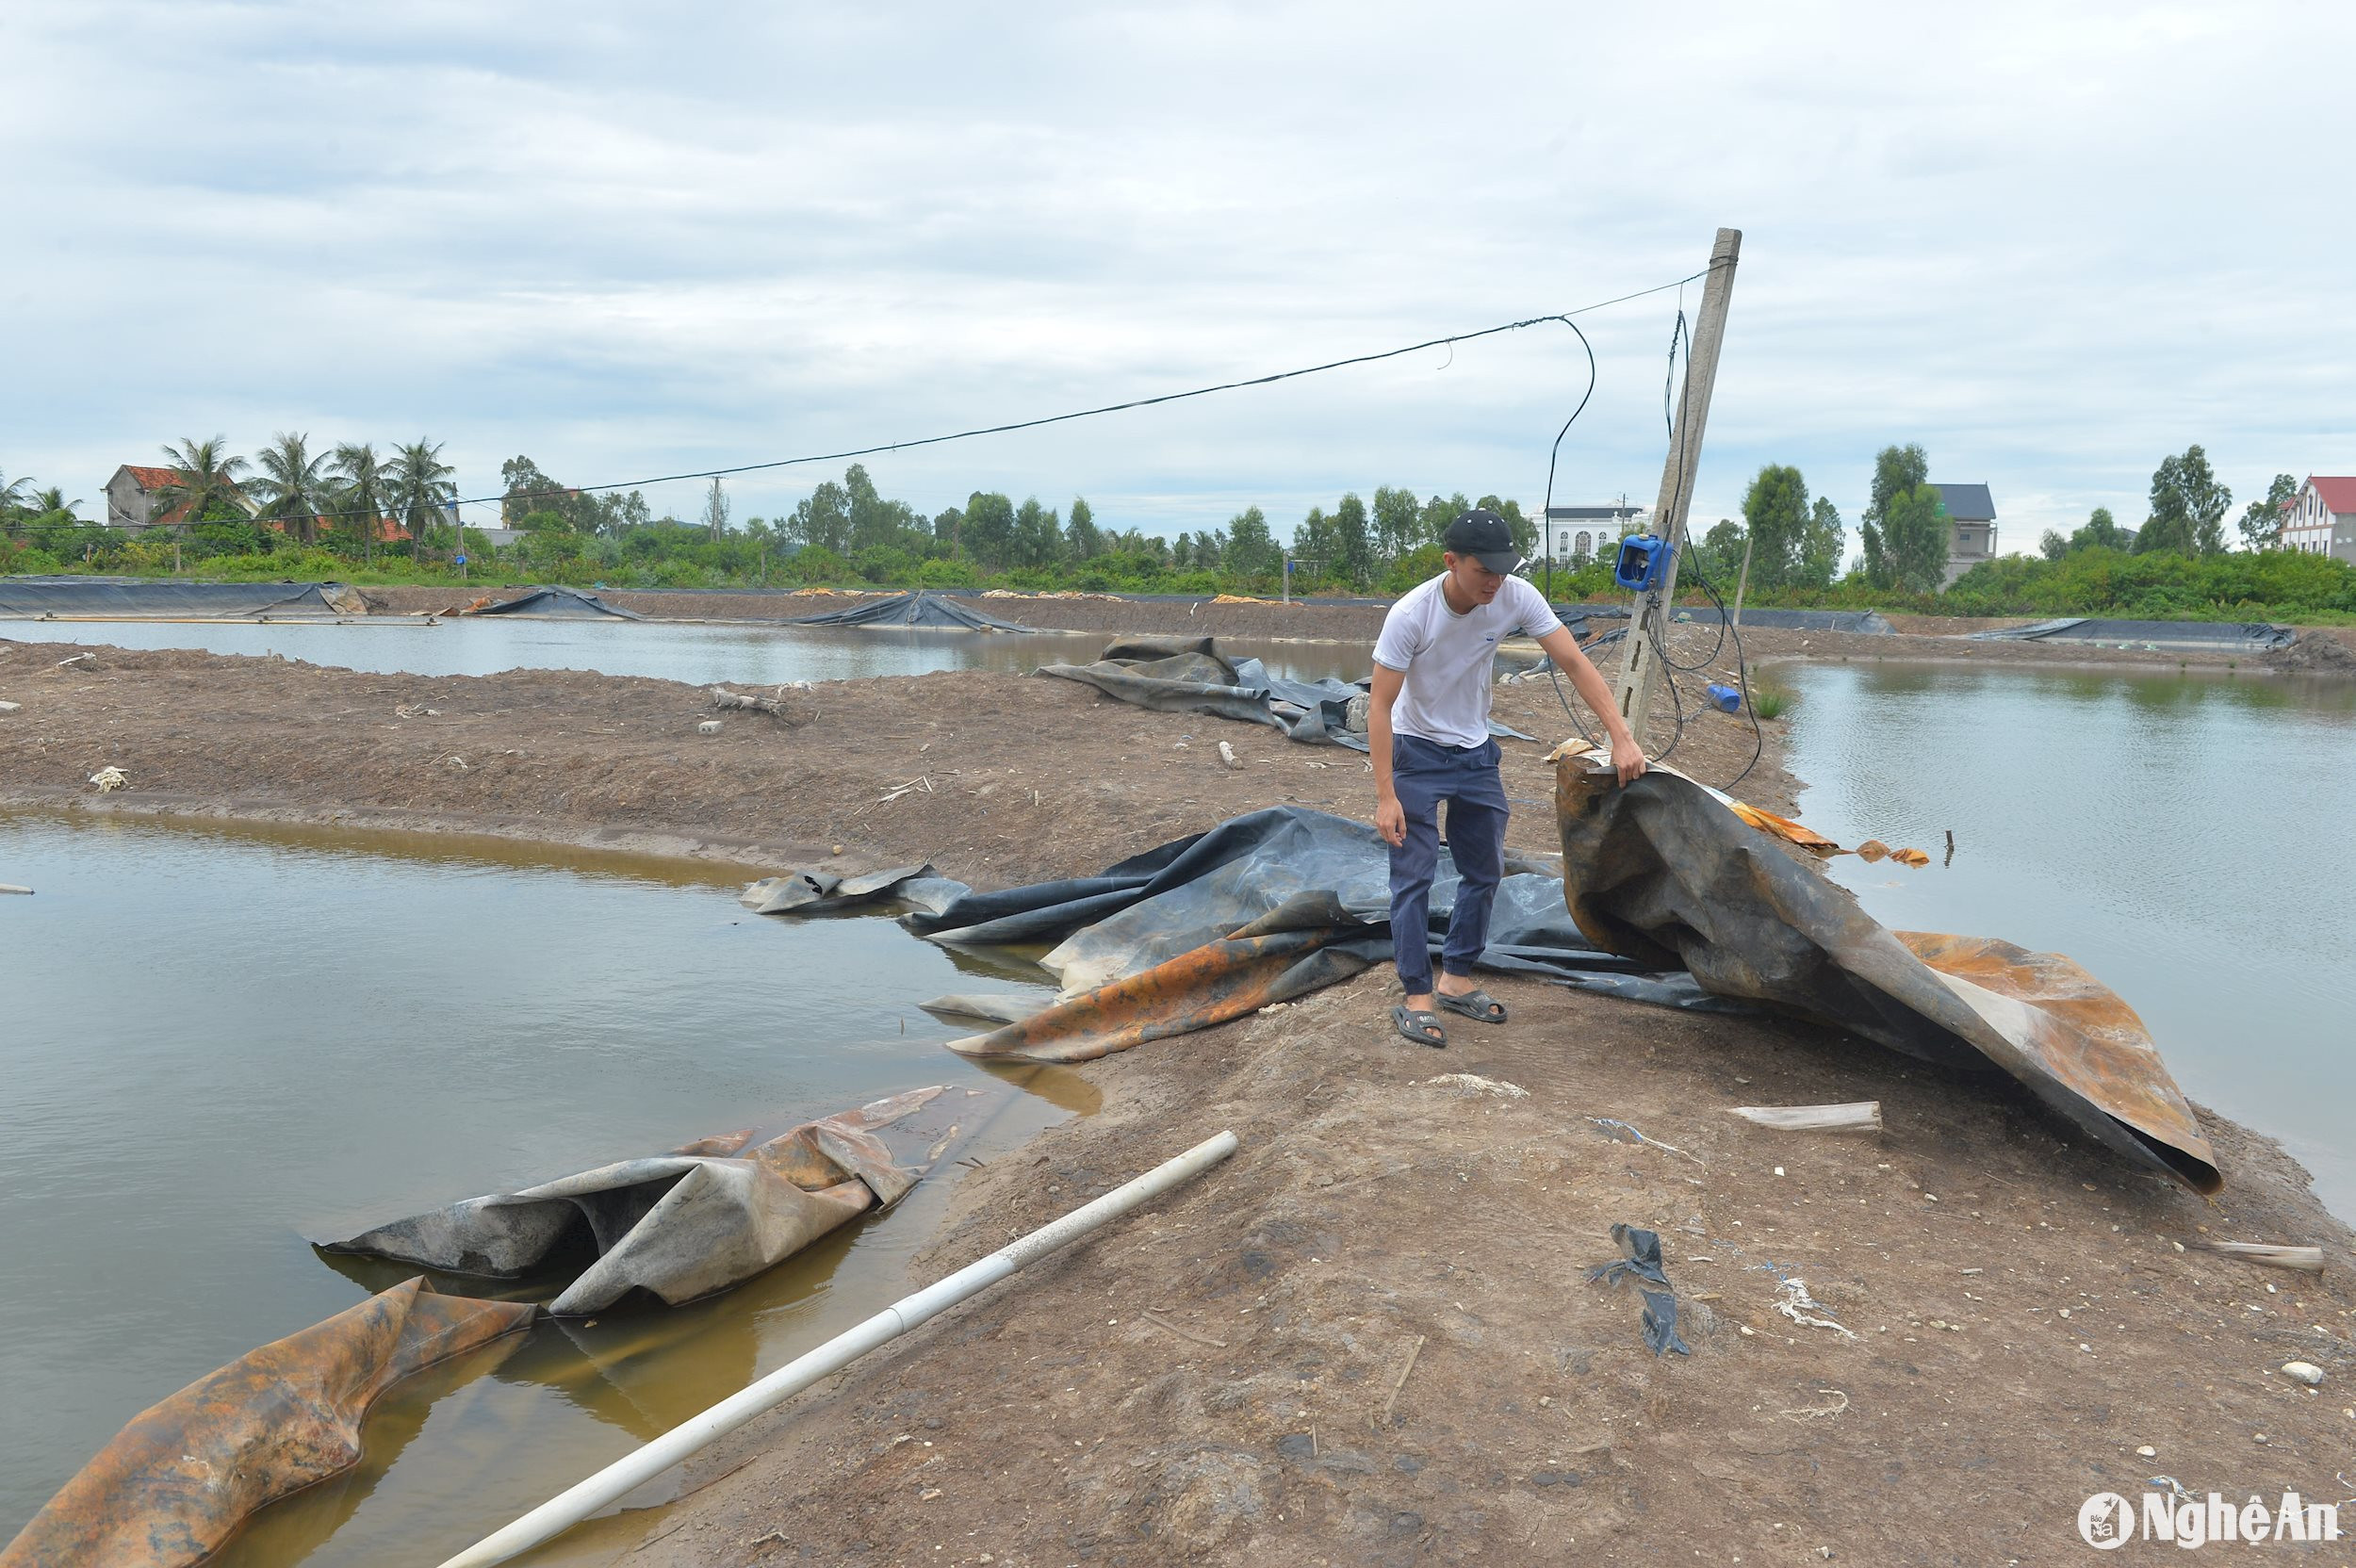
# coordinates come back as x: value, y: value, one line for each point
x: 2321, y: 519
x: 132, y: 498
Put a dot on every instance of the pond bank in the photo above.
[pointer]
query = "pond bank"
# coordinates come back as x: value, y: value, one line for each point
x: 1367, y: 1338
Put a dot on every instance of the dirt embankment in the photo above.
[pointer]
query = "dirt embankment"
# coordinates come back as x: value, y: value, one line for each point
x: 1366, y: 1339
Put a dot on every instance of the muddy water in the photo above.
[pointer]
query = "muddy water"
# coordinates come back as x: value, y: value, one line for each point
x: 666, y: 650
x: 2186, y: 837
x: 215, y: 1043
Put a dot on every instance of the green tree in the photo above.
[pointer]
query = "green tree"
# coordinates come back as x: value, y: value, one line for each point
x: 1396, y: 512
x: 364, y: 492
x: 821, y: 519
x: 1353, y: 541
x: 1251, y: 550
x: 293, y: 484
x: 1916, y: 532
x: 203, y: 483
x: 1082, y: 538
x: 2053, y: 545
x: 1897, y: 470
x: 1316, y: 547
x: 50, y: 502
x: 2261, y: 522
x: 1721, y: 550
x: 1775, y: 515
x: 420, y: 488
x: 1037, y: 535
x: 525, y: 489
x: 16, y: 495
x: 2102, y: 532
x: 1821, y: 546
x: 1438, y: 512
x: 987, y: 533
x: 2187, y: 507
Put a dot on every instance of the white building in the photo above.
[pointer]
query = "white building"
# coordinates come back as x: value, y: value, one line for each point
x: 1572, y: 535
x: 2321, y: 519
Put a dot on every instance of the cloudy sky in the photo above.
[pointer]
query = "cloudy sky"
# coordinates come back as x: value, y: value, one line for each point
x: 2051, y: 243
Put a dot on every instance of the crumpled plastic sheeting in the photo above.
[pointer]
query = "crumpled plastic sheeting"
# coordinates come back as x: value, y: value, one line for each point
x: 1666, y: 876
x: 679, y: 1226
x: 1262, y: 909
x: 181, y: 1478
x: 562, y: 604
x: 1191, y: 675
x: 135, y: 598
x: 814, y: 892
x: 1642, y: 1262
x: 915, y: 608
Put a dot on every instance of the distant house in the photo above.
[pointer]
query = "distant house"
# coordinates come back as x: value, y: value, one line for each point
x: 2321, y: 519
x: 1971, y: 511
x: 1580, y: 533
x: 131, y: 496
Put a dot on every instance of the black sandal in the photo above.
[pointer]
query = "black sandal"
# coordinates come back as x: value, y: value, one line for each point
x: 1477, y: 1006
x: 1419, y: 1026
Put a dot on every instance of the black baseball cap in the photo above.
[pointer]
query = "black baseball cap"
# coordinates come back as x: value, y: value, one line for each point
x: 1487, y: 538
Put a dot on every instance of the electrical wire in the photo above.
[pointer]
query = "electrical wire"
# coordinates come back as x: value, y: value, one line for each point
x: 1563, y: 317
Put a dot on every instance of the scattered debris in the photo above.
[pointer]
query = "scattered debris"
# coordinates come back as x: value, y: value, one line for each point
x: 13, y: 888
x: 2305, y: 1259
x: 1798, y: 1305
x: 1621, y: 1132
x: 1811, y: 1412
x: 1182, y: 1331
x: 2303, y: 1372
x: 1470, y: 1086
x: 708, y: 727
x: 1909, y: 857
x: 75, y: 660
x: 1863, y: 1115
x: 12, y: 708
x: 414, y: 710
x: 1642, y: 1261
x: 1227, y: 755
x: 110, y: 779
x: 1399, y: 1382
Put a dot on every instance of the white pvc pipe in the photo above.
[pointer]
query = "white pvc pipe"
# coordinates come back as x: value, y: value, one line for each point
x: 567, y: 1509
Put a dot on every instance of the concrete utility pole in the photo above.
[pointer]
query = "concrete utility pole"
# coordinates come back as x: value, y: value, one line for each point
x: 1639, y: 668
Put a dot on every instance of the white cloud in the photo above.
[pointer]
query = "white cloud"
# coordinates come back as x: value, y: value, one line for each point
x: 2051, y: 246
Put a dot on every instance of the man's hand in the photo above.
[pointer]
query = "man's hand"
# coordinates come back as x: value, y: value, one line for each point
x: 1627, y: 758
x: 1390, y: 820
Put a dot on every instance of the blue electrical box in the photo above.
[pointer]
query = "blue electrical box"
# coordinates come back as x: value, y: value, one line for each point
x: 1643, y: 562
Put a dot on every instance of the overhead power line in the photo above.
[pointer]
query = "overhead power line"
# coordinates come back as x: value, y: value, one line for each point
x: 1562, y: 317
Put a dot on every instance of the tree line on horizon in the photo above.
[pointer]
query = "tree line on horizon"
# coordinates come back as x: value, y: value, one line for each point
x: 238, y: 516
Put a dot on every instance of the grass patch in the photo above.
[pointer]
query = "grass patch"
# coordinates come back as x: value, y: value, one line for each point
x: 1768, y: 702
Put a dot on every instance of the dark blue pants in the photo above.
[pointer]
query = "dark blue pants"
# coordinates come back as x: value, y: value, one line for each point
x: 1424, y: 773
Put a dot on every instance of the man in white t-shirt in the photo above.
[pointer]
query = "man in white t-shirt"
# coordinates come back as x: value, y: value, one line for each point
x: 1428, y: 731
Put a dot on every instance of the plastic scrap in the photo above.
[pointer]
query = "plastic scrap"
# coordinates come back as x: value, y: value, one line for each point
x: 1641, y: 1261
x: 814, y: 892
x: 920, y: 608
x: 565, y: 604
x: 110, y: 779
x: 1799, y: 1306
x: 184, y: 1473
x: 1662, y: 874
x: 679, y: 1226
x: 1190, y: 676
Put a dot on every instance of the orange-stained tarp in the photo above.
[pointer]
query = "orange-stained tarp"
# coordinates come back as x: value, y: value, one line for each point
x: 182, y: 1477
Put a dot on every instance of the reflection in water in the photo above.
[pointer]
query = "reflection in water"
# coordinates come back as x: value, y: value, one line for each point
x: 2176, y: 834
x: 696, y: 653
x: 301, y: 1032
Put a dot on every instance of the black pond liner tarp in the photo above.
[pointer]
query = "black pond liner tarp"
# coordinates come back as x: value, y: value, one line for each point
x: 1866, y: 622
x: 1670, y: 896
x: 2253, y: 637
x: 918, y: 608
x: 556, y: 604
x: 133, y: 599
x: 677, y: 1226
x: 183, y: 1476
x: 1664, y: 874
x: 1190, y: 676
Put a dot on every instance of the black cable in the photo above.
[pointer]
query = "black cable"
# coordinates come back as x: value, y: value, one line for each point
x: 1563, y: 317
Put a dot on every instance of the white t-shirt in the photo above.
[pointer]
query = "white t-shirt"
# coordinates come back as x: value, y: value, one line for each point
x: 1448, y: 658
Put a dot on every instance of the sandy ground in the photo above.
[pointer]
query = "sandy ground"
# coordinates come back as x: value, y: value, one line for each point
x: 1367, y: 1338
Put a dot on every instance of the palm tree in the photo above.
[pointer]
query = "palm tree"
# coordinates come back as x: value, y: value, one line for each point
x: 363, y: 490
x: 204, y: 473
x: 421, y: 488
x: 293, y: 484
x: 52, y: 501
x: 15, y: 494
